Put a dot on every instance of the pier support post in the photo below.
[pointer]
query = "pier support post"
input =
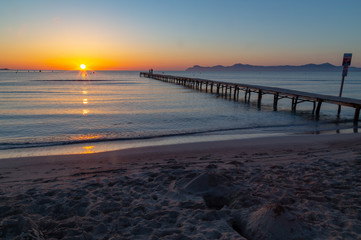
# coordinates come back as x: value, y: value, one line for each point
x: 319, y: 103
x: 275, y: 101
x: 294, y: 103
x: 247, y: 96
x: 259, y: 97
x: 357, y: 115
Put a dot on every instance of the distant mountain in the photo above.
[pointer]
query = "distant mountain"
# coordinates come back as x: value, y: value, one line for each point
x: 246, y: 67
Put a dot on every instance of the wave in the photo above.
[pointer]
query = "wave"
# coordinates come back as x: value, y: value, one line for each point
x: 33, y: 144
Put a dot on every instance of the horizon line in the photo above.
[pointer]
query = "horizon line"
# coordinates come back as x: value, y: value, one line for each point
x: 184, y: 69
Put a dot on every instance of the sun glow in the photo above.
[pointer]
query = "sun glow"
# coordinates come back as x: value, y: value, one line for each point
x: 88, y: 149
x: 82, y: 66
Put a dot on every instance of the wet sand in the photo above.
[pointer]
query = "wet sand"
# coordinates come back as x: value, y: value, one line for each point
x: 294, y: 187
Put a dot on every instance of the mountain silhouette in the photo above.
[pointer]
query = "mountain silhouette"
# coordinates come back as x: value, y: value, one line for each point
x: 246, y: 67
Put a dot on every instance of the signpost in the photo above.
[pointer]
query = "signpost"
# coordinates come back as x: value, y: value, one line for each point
x: 345, y: 63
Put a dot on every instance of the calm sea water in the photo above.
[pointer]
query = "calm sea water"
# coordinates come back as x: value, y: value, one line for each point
x: 43, y: 111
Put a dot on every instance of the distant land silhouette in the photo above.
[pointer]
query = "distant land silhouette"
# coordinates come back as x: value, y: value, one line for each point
x: 327, y: 67
x: 4, y: 69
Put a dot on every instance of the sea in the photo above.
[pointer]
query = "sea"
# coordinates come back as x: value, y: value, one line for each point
x: 79, y: 112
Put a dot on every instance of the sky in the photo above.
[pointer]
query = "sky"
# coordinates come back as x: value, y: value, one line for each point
x: 175, y: 35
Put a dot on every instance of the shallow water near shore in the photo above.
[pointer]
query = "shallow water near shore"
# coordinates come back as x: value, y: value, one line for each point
x: 82, y: 112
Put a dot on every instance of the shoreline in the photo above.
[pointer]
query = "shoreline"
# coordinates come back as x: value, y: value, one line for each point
x: 113, y: 145
x: 284, y: 187
x: 150, y: 152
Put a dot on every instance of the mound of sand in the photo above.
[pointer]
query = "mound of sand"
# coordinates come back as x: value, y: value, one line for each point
x: 273, y: 221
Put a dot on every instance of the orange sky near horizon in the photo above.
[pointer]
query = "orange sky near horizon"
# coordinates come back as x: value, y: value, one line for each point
x: 97, y: 57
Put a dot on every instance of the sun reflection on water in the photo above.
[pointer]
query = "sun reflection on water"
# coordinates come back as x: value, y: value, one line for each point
x: 88, y: 137
x: 85, y: 102
x: 88, y: 149
x: 83, y: 75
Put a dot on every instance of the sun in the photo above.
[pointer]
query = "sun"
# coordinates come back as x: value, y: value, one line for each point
x: 82, y: 66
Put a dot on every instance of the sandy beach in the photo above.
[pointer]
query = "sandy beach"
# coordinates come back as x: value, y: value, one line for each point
x: 293, y: 187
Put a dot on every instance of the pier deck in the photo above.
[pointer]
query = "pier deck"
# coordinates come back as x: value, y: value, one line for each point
x: 232, y: 91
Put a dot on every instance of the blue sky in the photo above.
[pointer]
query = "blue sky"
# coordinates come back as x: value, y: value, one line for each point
x: 177, y: 34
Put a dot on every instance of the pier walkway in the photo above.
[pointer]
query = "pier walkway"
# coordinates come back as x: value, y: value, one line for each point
x: 232, y: 91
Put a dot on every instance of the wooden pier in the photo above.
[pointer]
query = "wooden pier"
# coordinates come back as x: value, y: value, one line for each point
x: 232, y: 91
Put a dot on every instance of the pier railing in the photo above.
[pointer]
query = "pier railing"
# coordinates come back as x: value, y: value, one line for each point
x: 232, y: 91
